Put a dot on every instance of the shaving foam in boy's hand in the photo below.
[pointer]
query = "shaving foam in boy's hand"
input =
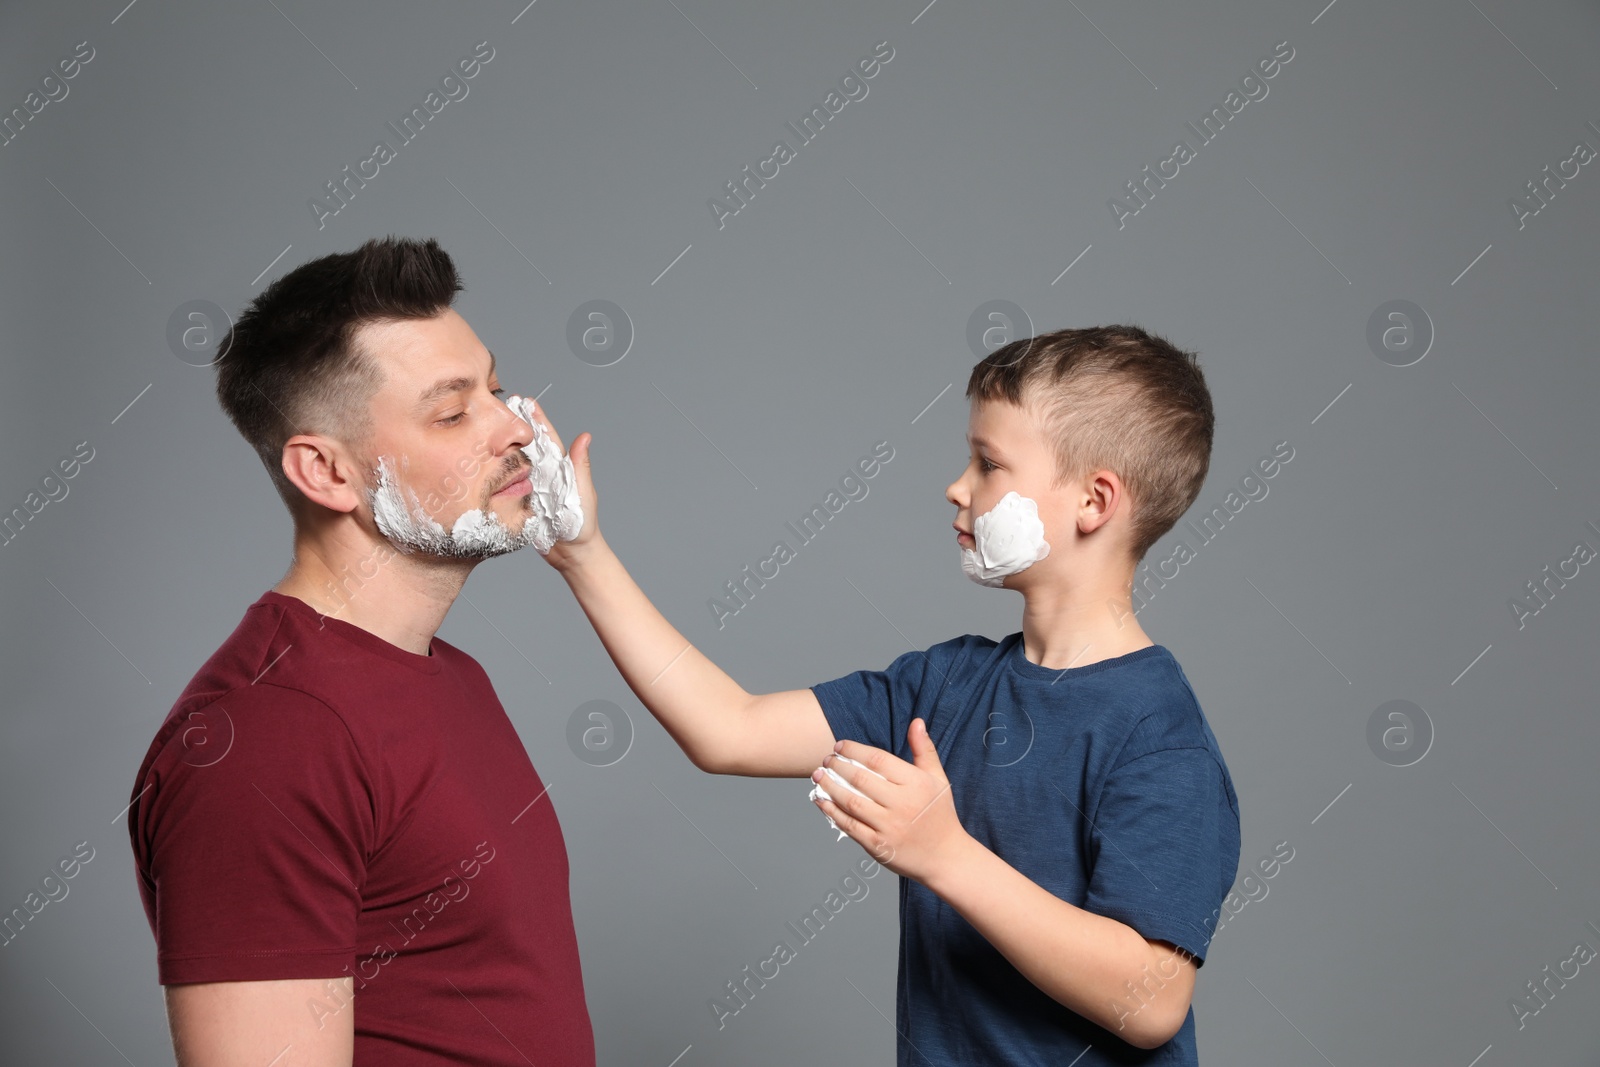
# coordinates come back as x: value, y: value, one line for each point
x: 902, y: 813
x: 838, y: 780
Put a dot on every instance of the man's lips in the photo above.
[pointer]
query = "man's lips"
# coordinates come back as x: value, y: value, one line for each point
x: 521, y: 486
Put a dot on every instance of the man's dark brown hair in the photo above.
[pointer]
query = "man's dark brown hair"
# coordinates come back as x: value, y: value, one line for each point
x: 291, y: 364
x: 1113, y: 398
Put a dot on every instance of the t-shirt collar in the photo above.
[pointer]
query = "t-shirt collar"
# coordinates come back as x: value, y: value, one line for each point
x: 1020, y: 664
x: 365, y: 639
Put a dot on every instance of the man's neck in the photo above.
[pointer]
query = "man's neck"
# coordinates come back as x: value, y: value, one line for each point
x: 402, y: 598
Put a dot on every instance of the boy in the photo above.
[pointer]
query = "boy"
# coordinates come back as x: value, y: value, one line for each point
x: 1055, y: 802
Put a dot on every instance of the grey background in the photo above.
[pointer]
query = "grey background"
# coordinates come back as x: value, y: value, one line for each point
x: 823, y: 318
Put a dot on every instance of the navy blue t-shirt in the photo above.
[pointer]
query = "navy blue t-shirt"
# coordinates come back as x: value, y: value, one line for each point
x: 1102, y: 783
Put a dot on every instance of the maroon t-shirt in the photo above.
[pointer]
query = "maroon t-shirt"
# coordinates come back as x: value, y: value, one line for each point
x: 320, y: 803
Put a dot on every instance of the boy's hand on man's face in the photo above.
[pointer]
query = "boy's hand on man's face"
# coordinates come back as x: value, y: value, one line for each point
x: 907, y: 821
x: 566, y: 553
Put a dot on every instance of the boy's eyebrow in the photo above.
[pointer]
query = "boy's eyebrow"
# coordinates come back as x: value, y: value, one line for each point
x: 982, y: 442
x: 444, y: 388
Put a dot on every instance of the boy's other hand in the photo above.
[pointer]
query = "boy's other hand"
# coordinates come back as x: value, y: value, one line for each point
x: 907, y: 820
x: 564, y: 554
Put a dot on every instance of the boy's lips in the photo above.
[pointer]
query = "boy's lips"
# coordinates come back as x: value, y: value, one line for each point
x: 962, y: 536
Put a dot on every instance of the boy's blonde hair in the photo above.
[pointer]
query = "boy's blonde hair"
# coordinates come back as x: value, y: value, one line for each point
x: 1113, y: 398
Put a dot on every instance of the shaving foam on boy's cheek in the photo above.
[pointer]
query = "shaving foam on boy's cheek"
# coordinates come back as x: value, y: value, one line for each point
x: 1010, y: 539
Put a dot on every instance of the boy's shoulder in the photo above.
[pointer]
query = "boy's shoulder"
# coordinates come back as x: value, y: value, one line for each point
x: 963, y: 643
x: 1150, y: 676
x: 1142, y: 701
x: 1154, y: 702
x: 1166, y: 713
x: 962, y: 653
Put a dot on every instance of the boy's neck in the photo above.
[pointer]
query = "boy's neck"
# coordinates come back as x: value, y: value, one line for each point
x: 1077, y: 627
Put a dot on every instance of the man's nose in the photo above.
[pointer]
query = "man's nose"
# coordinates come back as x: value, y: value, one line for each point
x: 520, y: 430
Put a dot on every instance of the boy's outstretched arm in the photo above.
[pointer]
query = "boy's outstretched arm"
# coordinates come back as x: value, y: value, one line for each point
x: 719, y: 726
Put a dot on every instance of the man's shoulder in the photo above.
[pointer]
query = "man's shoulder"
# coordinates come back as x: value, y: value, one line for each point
x: 322, y: 659
x: 275, y: 668
x: 271, y: 721
x: 259, y: 637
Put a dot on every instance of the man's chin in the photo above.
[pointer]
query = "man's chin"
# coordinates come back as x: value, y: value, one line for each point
x: 477, y: 534
x: 482, y: 533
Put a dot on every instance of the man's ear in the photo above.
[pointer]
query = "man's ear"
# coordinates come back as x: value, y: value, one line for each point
x: 322, y: 470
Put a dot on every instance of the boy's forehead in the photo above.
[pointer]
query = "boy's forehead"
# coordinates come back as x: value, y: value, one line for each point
x: 1002, y: 425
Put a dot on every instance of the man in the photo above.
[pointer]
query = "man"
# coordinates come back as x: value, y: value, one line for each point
x: 343, y: 850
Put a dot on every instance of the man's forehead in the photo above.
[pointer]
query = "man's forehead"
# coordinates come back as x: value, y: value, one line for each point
x: 422, y: 346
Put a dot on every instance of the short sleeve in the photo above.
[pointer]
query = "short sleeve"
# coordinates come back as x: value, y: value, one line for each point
x: 1165, y: 846
x: 251, y: 836
x: 876, y: 707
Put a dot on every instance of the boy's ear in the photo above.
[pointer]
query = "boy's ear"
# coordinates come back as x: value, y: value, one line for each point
x: 1102, y: 496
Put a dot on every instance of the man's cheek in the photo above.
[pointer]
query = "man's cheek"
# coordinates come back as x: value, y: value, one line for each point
x: 471, y: 466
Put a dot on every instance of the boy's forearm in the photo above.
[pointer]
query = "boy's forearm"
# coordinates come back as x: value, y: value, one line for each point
x: 1078, y: 958
x: 700, y: 706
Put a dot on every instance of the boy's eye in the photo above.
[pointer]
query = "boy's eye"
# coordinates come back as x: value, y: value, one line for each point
x: 985, y: 465
x: 498, y: 392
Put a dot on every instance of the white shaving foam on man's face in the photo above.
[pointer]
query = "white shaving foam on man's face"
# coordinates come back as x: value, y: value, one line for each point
x: 817, y: 792
x: 1010, y: 539
x: 556, y: 511
x: 408, y: 526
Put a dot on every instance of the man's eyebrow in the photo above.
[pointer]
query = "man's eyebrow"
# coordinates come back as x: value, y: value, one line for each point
x: 441, y: 389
